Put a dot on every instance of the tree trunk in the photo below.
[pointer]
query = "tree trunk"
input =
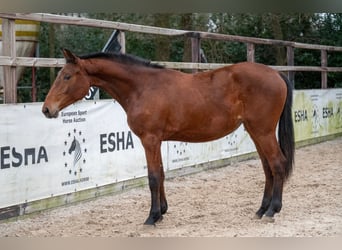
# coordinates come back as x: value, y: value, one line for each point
x: 52, y: 39
x: 186, y: 24
x: 280, y: 52
x: 162, y: 43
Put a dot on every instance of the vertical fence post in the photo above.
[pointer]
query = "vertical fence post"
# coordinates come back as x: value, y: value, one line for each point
x: 122, y: 41
x: 9, y: 49
x: 324, y: 75
x: 290, y: 62
x: 34, y: 86
x: 195, y: 49
x: 250, y: 52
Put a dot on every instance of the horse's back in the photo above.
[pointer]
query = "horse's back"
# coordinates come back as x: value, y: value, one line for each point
x: 255, y: 75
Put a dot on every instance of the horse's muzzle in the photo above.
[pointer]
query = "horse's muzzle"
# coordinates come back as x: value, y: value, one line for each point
x: 48, y: 114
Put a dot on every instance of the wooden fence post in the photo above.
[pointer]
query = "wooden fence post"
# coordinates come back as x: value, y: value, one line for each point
x: 324, y: 64
x: 250, y: 52
x: 9, y: 49
x: 290, y: 62
x: 195, y: 49
x: 122, y: 41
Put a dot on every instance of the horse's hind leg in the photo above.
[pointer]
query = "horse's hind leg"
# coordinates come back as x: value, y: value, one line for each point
x: 273, y: 163
x: 268, y: 189
x: 276, y: 162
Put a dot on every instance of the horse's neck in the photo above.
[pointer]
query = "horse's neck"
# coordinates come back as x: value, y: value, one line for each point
x: 118, y: 80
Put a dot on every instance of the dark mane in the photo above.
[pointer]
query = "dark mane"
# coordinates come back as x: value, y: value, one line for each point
x: 123, y: 58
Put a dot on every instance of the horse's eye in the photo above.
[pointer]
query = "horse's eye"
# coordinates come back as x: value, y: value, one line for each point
x: 67, y: 77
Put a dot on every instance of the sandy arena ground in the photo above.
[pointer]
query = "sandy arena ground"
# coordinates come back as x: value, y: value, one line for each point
x: 219, y: 202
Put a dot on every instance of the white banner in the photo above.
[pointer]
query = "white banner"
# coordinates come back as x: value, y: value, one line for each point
x: 317, y: 113
x: 90, y: 145
x: 182, y: 154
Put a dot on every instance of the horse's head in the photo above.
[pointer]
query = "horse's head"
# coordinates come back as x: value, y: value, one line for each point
x: 71, y: 84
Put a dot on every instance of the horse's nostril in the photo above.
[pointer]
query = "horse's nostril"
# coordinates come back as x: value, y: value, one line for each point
x: 46, y: 110
x: 49, y: 113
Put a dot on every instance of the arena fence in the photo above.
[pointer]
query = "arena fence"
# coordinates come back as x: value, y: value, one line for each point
x: 90, y: 151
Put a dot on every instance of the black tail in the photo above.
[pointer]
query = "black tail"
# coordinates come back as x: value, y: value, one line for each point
x: 285, y: 130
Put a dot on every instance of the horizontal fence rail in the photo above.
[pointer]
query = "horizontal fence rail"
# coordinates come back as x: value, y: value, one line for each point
x: 50, y: 18
x: 59, y: 62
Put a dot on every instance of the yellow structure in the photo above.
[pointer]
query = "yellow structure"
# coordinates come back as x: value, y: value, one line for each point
x: 27, y: 34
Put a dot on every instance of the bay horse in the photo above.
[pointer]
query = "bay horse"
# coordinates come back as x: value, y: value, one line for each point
x: 164, y: 104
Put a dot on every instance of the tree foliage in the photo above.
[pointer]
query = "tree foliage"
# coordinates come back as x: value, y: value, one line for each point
x: 299, y: 27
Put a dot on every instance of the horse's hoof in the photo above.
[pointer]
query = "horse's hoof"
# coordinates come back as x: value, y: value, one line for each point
x: 267, y: 219
x: 149, y: 222
x: 160, y: 219
x: 152, y: 222
x: 257, y: 217
x: 147, y: 227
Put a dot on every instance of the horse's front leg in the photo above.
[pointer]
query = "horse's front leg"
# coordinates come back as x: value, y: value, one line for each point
x: 155, y: 178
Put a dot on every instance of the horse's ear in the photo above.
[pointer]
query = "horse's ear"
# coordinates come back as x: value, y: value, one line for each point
x: 69, y: 56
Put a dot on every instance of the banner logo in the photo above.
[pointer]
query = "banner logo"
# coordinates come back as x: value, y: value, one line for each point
x: 315, y: 119
x: 76, y: 148
x: 75, y: 152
